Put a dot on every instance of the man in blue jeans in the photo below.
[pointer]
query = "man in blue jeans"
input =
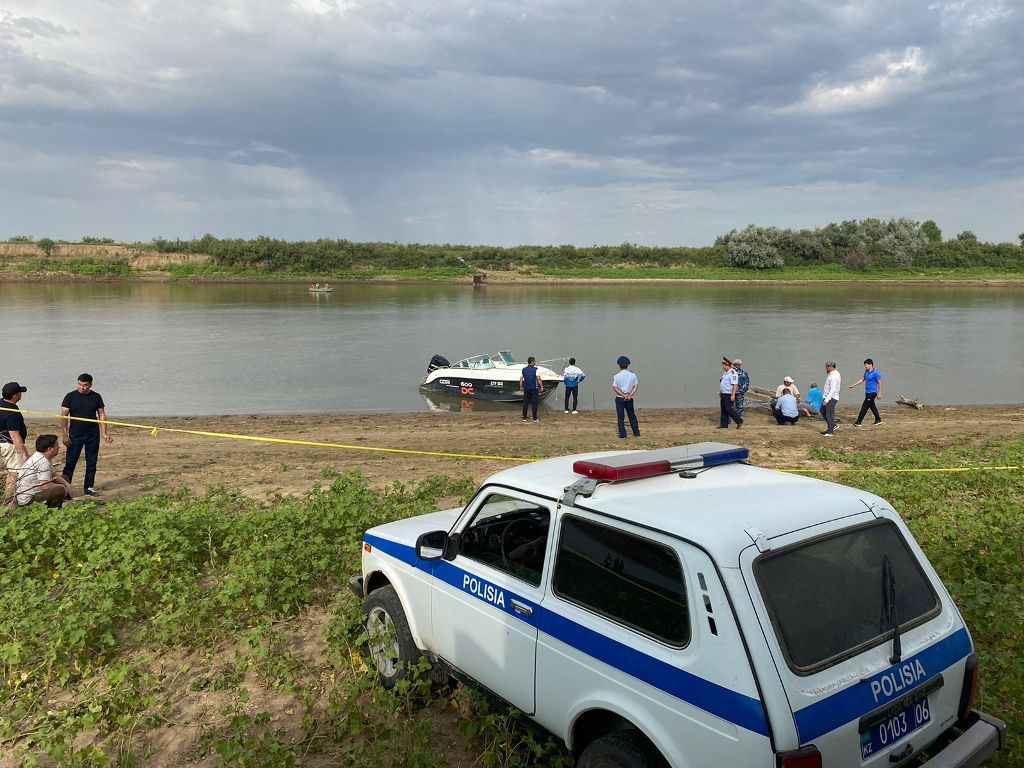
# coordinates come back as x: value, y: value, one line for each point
x: 624, y: 386
x: 82, y: 409
x: 532, y: 386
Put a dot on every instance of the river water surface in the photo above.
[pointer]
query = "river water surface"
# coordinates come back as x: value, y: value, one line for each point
x: 181, y: 349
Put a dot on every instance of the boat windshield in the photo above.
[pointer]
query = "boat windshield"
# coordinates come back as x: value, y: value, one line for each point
x: 506, y: 357
x: 478, y: 362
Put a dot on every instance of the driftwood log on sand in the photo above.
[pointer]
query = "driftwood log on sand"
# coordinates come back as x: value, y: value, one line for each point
x: 915, y: 404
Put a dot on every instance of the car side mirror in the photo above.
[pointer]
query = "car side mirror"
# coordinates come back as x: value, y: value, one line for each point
x: 431, y: 545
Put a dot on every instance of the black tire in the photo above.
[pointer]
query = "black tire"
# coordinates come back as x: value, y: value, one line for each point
x: 621, y: 749
x: 395, y: 653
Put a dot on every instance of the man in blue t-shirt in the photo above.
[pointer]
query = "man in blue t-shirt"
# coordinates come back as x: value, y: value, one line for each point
x: 873, y: 388
x: 87, y: 422
x: 532, y: 385
x: 812, y: 405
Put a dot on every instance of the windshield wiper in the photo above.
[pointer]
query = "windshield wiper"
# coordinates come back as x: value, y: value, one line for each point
x: 889, y: 615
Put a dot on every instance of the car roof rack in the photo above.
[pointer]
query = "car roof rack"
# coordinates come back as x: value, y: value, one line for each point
x: 634, y: 465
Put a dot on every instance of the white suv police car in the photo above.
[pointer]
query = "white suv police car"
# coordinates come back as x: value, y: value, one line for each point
x: 679, y: 607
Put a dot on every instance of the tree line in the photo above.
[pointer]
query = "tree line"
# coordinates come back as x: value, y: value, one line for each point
x: 861, y: 245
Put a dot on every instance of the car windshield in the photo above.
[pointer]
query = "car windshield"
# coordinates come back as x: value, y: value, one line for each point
x: 825, y: 596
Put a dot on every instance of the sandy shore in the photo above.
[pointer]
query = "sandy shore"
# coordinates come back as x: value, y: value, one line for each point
x: 139, y: 462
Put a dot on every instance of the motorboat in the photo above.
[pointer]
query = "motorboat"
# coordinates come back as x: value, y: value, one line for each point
x: 317, y: 288
x: 485, y: 377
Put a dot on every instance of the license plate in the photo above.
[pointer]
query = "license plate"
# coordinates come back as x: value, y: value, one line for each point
x: 911, y: 714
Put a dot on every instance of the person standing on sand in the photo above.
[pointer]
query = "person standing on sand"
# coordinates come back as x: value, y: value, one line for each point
x: 744, y: 384
x: 624, y: 385
x: 727, y: 389
x: 531, y: 385
x: 13, y: 453
x: 873, y: 388
x: 830, y: 397
x: 83, y: 403
x: 572, y: 376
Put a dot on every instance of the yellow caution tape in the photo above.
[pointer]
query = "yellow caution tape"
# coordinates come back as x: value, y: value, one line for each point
x: 283, y: 441
x: 885, y: 469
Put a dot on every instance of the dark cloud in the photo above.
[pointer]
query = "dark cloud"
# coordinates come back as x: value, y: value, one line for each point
x: 507, y: 122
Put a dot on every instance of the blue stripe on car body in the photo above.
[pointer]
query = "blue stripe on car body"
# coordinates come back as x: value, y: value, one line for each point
x: 747, y: 712
x: 851, y: 703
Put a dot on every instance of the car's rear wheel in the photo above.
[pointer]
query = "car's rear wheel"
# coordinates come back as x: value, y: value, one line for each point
x: 621, y: 749
x: 390, y: 641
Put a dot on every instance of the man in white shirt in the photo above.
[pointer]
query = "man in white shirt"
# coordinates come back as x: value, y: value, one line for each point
x: 624, y: 385
x: 572, y: 376
x: 36, y: 481
x: 830, y: 397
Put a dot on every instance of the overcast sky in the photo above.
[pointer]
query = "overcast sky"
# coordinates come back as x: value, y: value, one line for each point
x: 660, y: 122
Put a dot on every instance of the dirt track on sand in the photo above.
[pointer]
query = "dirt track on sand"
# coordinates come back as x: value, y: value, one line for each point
x: 139, y: 463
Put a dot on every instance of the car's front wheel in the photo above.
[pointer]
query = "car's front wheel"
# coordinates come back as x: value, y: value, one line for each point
x: 621, y: 749
x: 391, y: 644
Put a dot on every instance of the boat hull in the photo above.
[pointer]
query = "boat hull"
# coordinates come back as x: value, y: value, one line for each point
x: 482, y: 389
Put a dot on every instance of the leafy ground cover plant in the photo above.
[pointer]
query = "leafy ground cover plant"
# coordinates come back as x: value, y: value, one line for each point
x: 227, y: 620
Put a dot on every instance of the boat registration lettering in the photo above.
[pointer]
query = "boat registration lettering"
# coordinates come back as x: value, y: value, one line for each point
x: 483, y: 590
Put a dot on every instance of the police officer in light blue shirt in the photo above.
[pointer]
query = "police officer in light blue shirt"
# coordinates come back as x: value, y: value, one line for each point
x: 785, y: 410
x: 727, y: 390
x: 624, y: 385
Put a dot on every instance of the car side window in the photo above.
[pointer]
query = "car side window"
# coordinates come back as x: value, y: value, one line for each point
x: 629, y: 579
x: 510, y: 535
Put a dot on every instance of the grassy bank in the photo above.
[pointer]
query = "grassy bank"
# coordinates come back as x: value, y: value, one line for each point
x: 98, y: 269
x: 219, y: 630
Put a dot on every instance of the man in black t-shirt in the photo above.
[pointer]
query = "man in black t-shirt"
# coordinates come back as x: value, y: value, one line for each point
x: 13, y: 452
x: 83, y: 403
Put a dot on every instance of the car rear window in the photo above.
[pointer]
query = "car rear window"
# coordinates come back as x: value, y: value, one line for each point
x: 825, y: 596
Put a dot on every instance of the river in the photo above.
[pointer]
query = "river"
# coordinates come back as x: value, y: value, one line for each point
x: 178, y: 349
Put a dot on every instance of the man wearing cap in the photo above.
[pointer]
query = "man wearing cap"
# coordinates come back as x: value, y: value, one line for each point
x: 787, y: 383
x: 727, y: 389
x: 744, y: 384
x: 88, y: 420
x: 830, y: 397
x: 13, y: 453
x: 532, y: 385
x: 624, y: 385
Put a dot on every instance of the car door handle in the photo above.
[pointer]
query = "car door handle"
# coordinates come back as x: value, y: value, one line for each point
x: 522, y: 608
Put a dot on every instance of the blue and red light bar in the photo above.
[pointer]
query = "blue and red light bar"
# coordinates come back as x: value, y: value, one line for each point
x: 638, y: 464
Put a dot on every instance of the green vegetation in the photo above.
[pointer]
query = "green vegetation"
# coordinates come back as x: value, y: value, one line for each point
x: 112, y: 617
x: 99, y: 268
x: 898, y: 249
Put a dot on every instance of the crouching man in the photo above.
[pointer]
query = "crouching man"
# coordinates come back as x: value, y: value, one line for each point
x: 785, y: 410
x: 36, y: 480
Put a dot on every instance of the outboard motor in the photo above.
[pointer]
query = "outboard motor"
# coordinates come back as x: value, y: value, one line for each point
x: 437, y: 361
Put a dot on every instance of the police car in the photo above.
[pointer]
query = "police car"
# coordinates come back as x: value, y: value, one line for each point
x: 680, y: 607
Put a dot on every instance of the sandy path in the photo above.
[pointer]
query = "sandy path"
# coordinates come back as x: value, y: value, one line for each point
x: 139, y: 463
